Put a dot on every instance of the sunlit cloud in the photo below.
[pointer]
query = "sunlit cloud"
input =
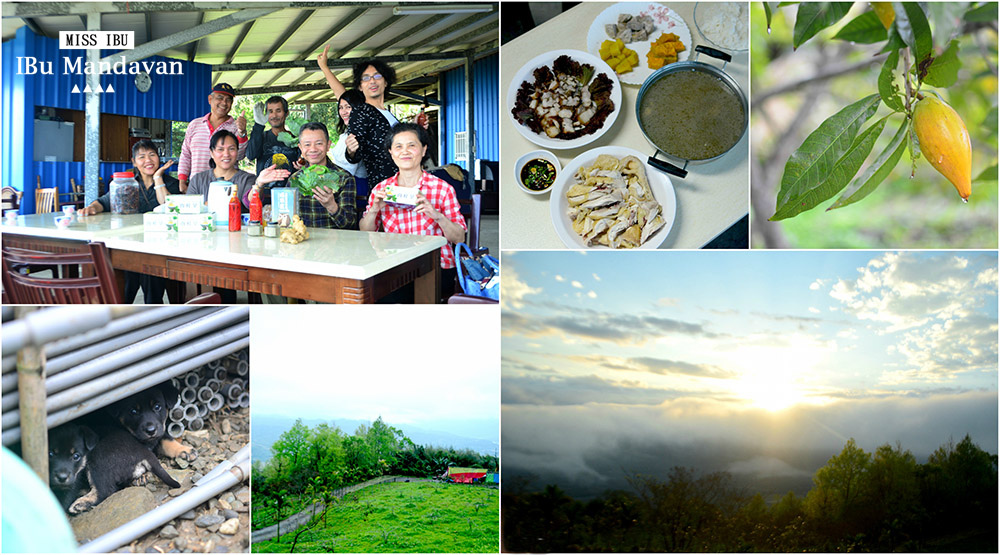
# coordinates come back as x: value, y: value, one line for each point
x: 559, y: 278
x: 592, y: 294
x: 596, y: 277
x: 513, y: 290
x: 577, y: 284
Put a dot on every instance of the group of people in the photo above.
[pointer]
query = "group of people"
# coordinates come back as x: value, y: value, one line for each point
x: 374, y: 148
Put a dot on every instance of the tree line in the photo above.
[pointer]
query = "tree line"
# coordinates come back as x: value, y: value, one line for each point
x: 324, y: 458
x: 860, y: 501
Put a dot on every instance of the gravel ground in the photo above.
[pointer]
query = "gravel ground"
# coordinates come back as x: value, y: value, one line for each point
x: 219, y: 526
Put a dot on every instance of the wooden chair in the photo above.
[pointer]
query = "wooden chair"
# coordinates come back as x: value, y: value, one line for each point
x: 63, y: 287
x: 46, y: 200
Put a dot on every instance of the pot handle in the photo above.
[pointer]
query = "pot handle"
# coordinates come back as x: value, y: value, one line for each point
x: 666, y: 167
x: 713, y: 53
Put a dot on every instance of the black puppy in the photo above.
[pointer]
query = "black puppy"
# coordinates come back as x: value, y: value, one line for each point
x: 144, y: 415
x: 118, y: 460
x: 69, y: 446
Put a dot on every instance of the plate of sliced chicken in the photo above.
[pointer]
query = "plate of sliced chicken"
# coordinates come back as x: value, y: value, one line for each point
x: 609, y: 198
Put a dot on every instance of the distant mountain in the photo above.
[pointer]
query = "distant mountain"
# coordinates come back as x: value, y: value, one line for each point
x: 266, y: 429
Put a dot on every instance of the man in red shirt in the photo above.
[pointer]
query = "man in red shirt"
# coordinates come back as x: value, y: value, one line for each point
x: 195, y: 152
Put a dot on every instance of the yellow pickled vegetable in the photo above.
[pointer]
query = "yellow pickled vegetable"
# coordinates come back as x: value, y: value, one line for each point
x: 618, y: 56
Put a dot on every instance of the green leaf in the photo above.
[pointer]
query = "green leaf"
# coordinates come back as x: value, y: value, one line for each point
x: 864, y: 29
x: 895, y: 42
x: 914, y: 29
x: 812, y: 162
x: 848, y: 165
x: 769, y: 8
x: 813, y: 17
x: 943, y: 71
x: 986, y: 12
x: 989, y: 174
x: 869, y: 180
x: 990, y: 121
x: 886, y: 88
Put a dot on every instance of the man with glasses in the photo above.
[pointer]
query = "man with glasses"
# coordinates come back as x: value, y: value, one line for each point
x: 370, y: 124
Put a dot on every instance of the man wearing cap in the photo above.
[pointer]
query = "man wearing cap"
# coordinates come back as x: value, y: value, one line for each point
x: 195, y: 152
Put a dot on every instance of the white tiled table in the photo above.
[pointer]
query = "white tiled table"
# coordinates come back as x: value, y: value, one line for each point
x: 712, y: 197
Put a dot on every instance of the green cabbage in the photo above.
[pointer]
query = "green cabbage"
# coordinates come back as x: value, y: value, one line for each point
x: 314, y: 176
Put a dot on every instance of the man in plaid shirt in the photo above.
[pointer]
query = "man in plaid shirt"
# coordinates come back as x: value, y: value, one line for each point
x: 195, y: 152
x: 325, y: 208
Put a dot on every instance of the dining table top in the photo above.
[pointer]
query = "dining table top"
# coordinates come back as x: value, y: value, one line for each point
x: 328, y: 252
x: 713, y: 196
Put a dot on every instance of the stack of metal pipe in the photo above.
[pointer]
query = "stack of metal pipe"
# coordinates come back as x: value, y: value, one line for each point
x: 115, y: 359
x: 220, y: 383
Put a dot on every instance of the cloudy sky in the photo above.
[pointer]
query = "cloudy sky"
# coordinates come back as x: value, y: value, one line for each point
x: 762, y: 364
x: 428, y: 366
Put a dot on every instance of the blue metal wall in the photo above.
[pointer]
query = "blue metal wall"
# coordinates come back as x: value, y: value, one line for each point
x: 172, y: 97
x: 486, y: 103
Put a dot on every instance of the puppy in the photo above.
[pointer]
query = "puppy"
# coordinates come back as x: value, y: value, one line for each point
x: 117, y: 461
x: 144, y: 415
x: 69, y: 446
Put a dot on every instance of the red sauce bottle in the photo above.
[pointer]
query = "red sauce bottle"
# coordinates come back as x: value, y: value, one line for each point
x: 256, y: 208
x: 235, y: 217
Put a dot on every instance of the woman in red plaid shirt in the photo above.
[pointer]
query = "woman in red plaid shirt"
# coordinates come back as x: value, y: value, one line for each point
x: 436, y: 212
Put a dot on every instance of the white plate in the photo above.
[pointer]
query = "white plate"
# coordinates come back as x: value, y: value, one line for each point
x: 665, y: 20
x: 659, y: 182
x: 526, y: 74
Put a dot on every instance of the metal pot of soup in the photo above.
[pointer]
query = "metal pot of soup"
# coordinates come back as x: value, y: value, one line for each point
x: 691, y: 111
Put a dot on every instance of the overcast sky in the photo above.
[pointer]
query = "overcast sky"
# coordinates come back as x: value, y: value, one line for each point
x: 417, y: 365
x: 758, y: 362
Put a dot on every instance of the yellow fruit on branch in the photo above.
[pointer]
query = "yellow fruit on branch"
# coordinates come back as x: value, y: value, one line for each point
x: 884, y: 12
x: 944, y: 141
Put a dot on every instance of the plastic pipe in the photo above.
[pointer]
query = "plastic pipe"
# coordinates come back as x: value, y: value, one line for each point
x: 141, y: 352
x: 230, y: 391
x: 175, y: 429
x: 62, y: 358
x: 176, y: 414
x: 191, y: 379
x: 221, y: 374
x: 85, y: 406
x: 214, y: 364
x: 202, y: 410
x: 125, y: 324
x: 243, y: 368
x: 196, y: 424
x: 238, y: 472
x: 215, y: 403
x: 233, y: 403
x: 205, y: 393
x: 92, y: 387
x: 190, y: 412
x: 244, y: 400
x: 242, y: 454
x: 44, y: 326
x: 213, y: 384
x: 188, y: 395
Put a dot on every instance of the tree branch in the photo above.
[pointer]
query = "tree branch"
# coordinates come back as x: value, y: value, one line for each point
x: 759, y: 99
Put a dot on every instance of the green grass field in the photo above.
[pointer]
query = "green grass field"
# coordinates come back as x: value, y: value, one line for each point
x: 404, y: 517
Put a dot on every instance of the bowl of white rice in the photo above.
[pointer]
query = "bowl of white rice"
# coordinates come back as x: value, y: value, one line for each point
x: 724, y: 25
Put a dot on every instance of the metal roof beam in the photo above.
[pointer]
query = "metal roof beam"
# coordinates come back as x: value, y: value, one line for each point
x: 291, y: 30
x: 449, y: 63
x: 239, y: 40
x: 409, y: 33
x: 471, y: 35
x: 344, y: 62
x: 149, y: 27
x: 188, y: 35
x: 330, y: 34
x: 39, y: 9
x: 471, y: 20
x: 193, y: 48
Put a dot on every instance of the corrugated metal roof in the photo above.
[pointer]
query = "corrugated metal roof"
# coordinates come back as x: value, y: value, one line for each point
x: 295, y: 32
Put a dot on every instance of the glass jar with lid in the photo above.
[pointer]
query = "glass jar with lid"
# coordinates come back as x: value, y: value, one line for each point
x: 125, y: 194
